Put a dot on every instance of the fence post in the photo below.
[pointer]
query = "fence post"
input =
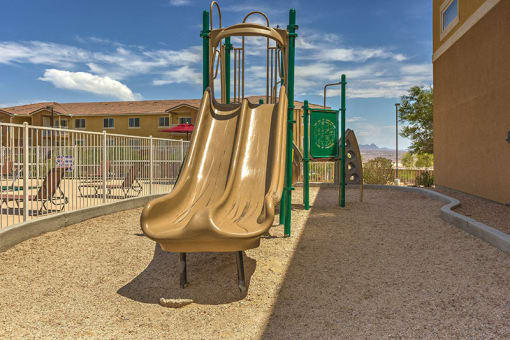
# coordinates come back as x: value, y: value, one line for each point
x: 36, y: 160
x: 25, y: 171
x: 182, y: 150
x: 104, y: 166
x: 151, y: 165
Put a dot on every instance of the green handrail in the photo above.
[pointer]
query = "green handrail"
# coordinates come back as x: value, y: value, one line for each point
x: 205, y: 49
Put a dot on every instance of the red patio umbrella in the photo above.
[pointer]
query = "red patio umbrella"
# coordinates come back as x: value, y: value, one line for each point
x: 181, y: 128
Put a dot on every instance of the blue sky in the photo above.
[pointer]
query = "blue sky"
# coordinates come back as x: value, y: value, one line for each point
x: 68, y: 51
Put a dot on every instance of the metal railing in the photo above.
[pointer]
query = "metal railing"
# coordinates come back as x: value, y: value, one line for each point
x: 324, y: 172
x: 50, y: 170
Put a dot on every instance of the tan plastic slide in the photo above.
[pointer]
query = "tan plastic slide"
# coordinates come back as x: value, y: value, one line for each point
x: 232, y: 178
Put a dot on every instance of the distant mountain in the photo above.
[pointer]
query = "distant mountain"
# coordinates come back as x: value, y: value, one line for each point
x: 371, y: 147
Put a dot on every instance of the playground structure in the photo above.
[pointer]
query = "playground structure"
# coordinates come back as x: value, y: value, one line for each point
x: 242, y: 161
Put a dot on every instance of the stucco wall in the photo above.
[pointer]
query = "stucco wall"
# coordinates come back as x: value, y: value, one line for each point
x: 472, y: 109
x: 466, y: 9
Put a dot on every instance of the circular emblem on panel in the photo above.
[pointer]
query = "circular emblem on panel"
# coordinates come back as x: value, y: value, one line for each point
x: 324, y: 131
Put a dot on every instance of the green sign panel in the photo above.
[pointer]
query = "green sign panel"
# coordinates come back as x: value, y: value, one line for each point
x: 323, y: 133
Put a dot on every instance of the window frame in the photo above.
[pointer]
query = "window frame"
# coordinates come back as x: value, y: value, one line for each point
x: 444, y: 7
x: 166, y: 118
x: 79, y: 127
x: 134, y: 127
x: 109, y: 127
x: 190, y: 120
x: 57, y: 122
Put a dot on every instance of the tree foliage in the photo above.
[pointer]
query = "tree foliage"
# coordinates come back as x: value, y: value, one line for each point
x: 408, y: 160
x: 416, y: 114
x: 424, y: 160
x: 378, y: 171
x: 420, y: 160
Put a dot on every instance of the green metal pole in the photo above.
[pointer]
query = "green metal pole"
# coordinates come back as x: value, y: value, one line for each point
x: 228, y: 48
x: 306, y: 158
x: 282, y: 202
x: 342, y: 147
x: 290, y: 120
x: 205, y: 49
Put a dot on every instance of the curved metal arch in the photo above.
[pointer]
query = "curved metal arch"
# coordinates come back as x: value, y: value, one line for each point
x: 211, y: 13
x: 247, y: 29
x: 257, y: 12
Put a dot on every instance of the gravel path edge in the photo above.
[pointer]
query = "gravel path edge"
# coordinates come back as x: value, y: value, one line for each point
x: 484, y: 232
x: 12, y: 235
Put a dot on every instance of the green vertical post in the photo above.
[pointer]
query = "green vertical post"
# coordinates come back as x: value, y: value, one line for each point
x: 205, y: 49
x: 228, y: 48
x: 342, y: 146
x: 282, y: 203
x: 290, y: 121
x: 306, y: 158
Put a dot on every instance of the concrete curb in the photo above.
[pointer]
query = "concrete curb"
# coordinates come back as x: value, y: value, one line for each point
x: 490, y: 235
x: 15, y: 234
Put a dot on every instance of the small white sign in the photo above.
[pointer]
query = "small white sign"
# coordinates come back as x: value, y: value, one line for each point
x: 65, y: 162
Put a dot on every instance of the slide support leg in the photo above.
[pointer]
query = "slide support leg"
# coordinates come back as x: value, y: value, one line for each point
x: 182, y: 270
x: 241, y: 282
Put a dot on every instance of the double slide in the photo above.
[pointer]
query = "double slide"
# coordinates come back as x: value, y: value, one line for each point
x: 230, y: 182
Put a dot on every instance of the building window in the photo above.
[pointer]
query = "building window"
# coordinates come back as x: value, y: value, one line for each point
x: 449, y: 16
x: 134, y: 123
x: 164, y: 122
x: 184, y: 120
x: 79, y: 123
x: 61, y: 123
x: 108, y: 123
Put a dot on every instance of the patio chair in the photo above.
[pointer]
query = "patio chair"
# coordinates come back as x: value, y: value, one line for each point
x: 8, y: 169
x: 129, y: 183
x: 49, y: 192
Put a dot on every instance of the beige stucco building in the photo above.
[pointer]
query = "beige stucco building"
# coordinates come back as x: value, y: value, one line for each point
x: 136, y: 118
x: 472, y: 96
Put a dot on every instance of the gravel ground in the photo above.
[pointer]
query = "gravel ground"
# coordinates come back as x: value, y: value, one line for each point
x: 385, y: 268
x: 492, y: 213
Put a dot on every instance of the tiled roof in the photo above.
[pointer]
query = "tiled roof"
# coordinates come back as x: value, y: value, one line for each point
x: 111, y: 108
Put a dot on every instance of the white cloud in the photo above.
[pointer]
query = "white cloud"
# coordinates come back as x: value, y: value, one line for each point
x: 368, y: 133
x: 83, y: 81
x: 184, y: 74
x: 356, y: 55
x: 38, y: 52
x: 120, y: 63
x: 180, y: 2
x: 270, y: 11
x: 417, y: 69
x: 354, y: 119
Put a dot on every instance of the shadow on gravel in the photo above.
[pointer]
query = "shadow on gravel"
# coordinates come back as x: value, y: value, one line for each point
x: 212, y: 278
x: 307, y: 304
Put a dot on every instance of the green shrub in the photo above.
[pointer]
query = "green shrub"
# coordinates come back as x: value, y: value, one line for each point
x: 425, y: 179
x: 378, y: 171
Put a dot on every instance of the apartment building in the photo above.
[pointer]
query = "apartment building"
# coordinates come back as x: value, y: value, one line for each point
x: 138, y: 118
x: 472, y: 96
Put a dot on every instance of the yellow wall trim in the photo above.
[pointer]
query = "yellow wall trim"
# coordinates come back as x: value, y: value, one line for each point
x: 473, y: 19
